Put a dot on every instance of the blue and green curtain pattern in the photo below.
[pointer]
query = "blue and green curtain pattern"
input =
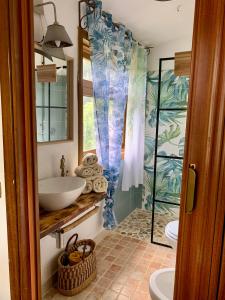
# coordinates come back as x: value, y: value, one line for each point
x: 174, y: 94
x: 111, y: 55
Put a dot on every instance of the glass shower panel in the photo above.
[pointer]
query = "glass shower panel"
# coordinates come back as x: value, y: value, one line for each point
x: 172, y: 127
x: 163, y: 214
x: 168, y: 179
x: 171, y: 114
x: 173, y: 89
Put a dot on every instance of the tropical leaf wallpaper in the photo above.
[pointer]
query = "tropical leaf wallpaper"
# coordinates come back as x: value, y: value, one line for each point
x: 174, y: 95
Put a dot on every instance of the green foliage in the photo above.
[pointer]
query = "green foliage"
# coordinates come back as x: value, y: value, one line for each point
x: 169, y: 135
x: 174, y: 94
x: 89, y: 141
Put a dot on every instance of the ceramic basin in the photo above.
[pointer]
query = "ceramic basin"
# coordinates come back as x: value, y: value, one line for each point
x: 59, y: 192
x: 162, y: 284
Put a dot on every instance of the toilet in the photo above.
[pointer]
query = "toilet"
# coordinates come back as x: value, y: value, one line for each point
x: 171, y: 232
x: 161, y: 283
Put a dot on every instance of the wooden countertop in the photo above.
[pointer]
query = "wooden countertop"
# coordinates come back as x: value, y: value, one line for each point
x: 53, y: 220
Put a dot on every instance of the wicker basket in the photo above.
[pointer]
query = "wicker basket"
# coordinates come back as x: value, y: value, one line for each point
x: 72, y: 279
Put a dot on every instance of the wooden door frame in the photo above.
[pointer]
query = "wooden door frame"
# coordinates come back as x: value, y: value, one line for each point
x: 19, y: 138
x: 198, y: 253
x: 18, y: 108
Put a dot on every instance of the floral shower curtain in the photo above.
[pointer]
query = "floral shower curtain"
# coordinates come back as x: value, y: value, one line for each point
x: 111, y: 52
x: 135, y: 123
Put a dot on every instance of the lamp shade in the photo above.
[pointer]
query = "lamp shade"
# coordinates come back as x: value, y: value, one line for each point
x: 57, y: 37
x: 55, y: 52
x: 38, y: 49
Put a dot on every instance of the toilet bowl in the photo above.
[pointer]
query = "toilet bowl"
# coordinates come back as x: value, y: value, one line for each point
x: 161, y: 284
x: 171, y: 232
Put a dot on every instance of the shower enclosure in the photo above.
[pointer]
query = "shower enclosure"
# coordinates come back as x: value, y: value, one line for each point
x: 171, y: 110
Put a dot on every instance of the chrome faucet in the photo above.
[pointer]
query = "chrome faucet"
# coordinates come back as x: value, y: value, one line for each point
x: 62, y: 166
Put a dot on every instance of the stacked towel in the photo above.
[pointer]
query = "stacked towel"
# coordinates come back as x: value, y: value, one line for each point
x: 89, y: 187
x: 84, y: 172
x: 100, y: 184
x: 93, y: 173
x: 89, y: 159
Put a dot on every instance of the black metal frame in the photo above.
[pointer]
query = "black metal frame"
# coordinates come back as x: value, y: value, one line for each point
x: 49, y: 107
x: 161, y: 156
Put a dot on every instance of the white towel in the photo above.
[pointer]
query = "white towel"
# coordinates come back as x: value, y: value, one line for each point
x: 84, y: 172
x: 100, y: 184
x: 97, y: 170
x: 89, y: 186
x: 89, y: 159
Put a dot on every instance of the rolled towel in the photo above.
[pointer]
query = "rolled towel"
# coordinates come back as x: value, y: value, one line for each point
x: 84, y: 172
x: 89, y: 186
x: 100, y: 184
x: 89, y: 159
x: 97, y: 170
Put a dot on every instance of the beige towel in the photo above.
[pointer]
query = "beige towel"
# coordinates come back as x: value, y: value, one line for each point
x: 89, y: 186
x: 84, y: 172
x: 100, y: 184
x: 89, y: 159
x: 97, y: 170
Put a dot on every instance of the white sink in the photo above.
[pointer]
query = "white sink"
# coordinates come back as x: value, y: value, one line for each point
x: 59, y: 192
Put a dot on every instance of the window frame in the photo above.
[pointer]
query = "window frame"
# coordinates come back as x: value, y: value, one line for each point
x: 85, y: 88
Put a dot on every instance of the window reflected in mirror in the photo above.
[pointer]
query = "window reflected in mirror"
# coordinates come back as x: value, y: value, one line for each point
x: 54, y: 101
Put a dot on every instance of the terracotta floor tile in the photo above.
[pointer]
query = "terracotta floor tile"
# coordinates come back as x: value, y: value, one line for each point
x: 140, y: 296
x: 131, y: 282
x: 110, y: 275
x: 116, y: 287
x: 122, y: 297
x: 110, y: 258
x: 105, y: 282
x: 98, y: 290
x: 119, y: 247
x: 110, y: 295
x: 127, y: 291
x: 121, y: 279
x: 120, y: 261
x: 124, y: 269
x: 115, y: 268
x: 139, y: 276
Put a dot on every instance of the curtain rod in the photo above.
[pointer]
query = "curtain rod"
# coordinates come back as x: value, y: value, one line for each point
x: 92, y: 6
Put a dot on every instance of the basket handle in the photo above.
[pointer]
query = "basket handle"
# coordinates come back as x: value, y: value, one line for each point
x: 84, y: 248
x: 69, y: 240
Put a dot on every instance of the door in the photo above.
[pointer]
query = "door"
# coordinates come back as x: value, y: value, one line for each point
x: 19, y: 138
x: 200, y: 232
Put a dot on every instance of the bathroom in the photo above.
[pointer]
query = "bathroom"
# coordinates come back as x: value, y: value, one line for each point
x: 113, y: 175
x: 133, y: 200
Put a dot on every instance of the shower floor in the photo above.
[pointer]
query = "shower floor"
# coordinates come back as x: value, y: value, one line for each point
x: 138, y: 224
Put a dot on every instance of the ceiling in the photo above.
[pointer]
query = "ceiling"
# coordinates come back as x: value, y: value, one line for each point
x: 154, y: 22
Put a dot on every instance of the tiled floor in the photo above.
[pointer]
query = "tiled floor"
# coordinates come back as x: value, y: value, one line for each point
x: 138, y: 224
x: 124, y: 266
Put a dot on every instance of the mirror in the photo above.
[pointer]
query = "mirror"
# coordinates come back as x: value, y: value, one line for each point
x: 54, y: 101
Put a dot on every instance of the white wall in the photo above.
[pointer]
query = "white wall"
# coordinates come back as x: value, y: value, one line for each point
x: 168, y: 50
x: 4, y: 266
x: 49, y: 155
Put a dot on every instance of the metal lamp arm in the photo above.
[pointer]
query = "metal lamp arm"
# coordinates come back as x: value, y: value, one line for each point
x: 54, y: 6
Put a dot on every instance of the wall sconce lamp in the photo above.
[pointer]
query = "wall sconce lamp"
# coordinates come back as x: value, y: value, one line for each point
x: 56, y: 35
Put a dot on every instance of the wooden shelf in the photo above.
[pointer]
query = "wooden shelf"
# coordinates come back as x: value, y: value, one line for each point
x: 53, y: 220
